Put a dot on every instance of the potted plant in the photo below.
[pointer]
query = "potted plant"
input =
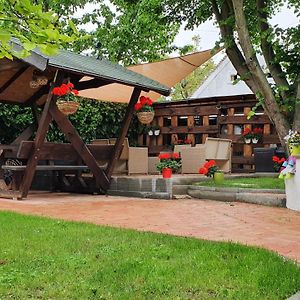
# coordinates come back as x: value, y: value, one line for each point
x: 277, y: 163
x: 293, y: 141
x: 144, y: 110
x: 150, y: 130
x: 256, y: 135
x: 168, y: 163
x: 156, y: 130
x: 67, y: 101
x: 247, y: 135
x: 210, y: 169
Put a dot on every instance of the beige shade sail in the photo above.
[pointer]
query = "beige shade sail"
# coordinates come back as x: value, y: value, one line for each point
x: 168, y: 72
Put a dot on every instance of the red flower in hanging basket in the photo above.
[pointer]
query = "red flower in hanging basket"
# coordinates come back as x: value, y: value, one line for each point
x: 145, y: 105
x: 67, y: 101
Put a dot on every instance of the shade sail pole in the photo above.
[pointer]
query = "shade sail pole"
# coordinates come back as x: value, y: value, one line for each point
x: 124, y: 129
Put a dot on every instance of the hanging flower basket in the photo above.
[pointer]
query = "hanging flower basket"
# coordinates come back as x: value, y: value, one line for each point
x: 67, y: 100
x: 67, y: 107
x: 145, y: 117
x: 144, y: 110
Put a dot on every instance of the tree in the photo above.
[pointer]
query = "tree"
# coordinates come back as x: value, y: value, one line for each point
x: 130, y: 32
x: 31, y: 26
x: 246, y: 31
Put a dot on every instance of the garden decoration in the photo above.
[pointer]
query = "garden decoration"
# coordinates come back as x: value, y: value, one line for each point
x: 210, y: 169
x: 168, y: 163
x: 257, y: 134
x: 277, y: 163
x: 247, y: 135
x: 67, y: 101
x: 144, y: 110
x: 293, y: 141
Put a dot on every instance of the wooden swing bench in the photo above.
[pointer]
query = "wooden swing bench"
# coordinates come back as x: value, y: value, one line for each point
x: 62, y: 159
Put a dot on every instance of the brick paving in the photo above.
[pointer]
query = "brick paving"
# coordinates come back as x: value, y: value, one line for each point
x: 274, y: 228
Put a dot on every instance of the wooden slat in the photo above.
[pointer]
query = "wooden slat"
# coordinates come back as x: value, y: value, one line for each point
x: 160, y: 123
x: 174, y: 124
x: 242, y: 160
x: 261, y: 119
x: 66, y: 152
x: 266, y: 139
x: 186, y: 129
x: 186, y: 111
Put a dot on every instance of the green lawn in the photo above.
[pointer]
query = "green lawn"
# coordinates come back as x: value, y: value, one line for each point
x: 254, y: 183
x: 49, y: 259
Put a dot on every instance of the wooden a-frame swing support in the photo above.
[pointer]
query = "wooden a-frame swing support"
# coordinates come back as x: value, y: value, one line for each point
x: 51, y: 112
x: 15, y: 89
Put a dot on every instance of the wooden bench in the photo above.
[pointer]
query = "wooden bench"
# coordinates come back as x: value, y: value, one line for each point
x: 55, y: 153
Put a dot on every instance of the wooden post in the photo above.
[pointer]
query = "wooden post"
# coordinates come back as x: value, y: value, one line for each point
x: 247, y: 147
x: 160, y: 123
x: 39, y: 140
x: 191, y: 124
x: 174, y: 124
x: 124, y: 129
x: 230, y: 112
x: 205, y: 123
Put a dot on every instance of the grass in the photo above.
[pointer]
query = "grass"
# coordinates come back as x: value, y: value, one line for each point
x: 250, y: 182
x: 50, y: 259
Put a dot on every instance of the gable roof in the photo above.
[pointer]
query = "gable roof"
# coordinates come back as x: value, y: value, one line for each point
x: 90, y: 66
x: 219, y: 83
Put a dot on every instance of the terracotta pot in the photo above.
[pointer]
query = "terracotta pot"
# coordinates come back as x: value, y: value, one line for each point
x: 167, y: 173
x: 218, y: 177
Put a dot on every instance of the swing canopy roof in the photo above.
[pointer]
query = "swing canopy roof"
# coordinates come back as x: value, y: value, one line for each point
x: 17, y: 74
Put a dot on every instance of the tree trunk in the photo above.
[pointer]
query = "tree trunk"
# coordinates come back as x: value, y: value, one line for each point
x: 296, y: 125
x: 273, y: 111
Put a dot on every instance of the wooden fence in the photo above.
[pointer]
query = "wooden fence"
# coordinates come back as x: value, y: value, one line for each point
x: 197, y: 119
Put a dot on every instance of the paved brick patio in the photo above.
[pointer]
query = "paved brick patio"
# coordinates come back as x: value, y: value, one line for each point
x: 274, y: 228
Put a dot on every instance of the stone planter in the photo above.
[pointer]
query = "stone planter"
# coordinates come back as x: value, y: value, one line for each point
x: 292, y: 188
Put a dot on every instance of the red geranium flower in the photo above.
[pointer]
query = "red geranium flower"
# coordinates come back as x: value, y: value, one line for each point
x: 203, y: 170
x: 176, y: 155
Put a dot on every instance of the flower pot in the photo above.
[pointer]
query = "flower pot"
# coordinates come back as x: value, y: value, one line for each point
x: 247, y: 141
x: 156, y: 132
x: 167, y: 173
x: 150, y: 132
x: 145, y: 117
x: 254, y: 140
x: 218, y: 177
x: 67, y: 107
x: 295, y: 149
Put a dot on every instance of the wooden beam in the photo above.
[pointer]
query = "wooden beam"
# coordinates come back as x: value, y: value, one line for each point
x: 89, y: 84
x: 25, y: 135
x: 37, y: 95
x: 39, y: 140
x: 13, y: 79
x: 83, y: 151
x: 124, y: 129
